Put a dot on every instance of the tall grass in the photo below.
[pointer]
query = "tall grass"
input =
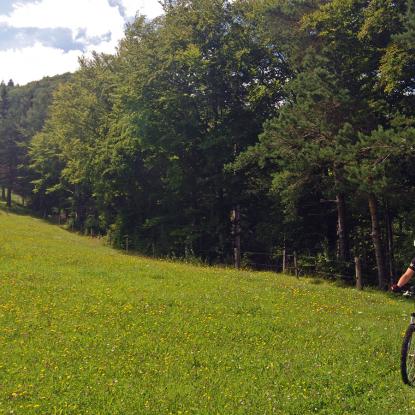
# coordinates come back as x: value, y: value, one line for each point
x: 88, y: 330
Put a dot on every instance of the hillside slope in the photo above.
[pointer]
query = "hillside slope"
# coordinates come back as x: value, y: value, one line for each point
x: 88, y: 330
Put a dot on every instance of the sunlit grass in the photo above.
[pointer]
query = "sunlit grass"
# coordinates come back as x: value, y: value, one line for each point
x: 88, y: 330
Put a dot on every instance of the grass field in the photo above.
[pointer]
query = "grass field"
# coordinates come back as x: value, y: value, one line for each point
x: 85, y: 329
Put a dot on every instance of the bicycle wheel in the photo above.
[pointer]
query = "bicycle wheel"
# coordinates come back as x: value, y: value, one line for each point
x: 408, y: 356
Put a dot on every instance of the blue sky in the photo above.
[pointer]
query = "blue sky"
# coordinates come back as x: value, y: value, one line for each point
x: 45, y: 37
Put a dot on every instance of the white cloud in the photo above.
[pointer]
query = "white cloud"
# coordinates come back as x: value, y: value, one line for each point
x: 27, y: 64
x: 87, y: 19
x: 97, y: 17
x: 151, y: 8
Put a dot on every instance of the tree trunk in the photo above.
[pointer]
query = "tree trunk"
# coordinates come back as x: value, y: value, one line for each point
x: 389, y: 246
x: 296, y: 271
x: 331, y: 234
x: 9, y: 197
x: 236, y: 225
x: 284, y: 260
x: 342, y: 233
x: 377, y: 242
x: 3, y: 193
x: 358, y: 271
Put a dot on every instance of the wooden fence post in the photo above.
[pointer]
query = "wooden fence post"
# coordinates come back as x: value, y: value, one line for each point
x: 284, y: 261
x: 358, y: 268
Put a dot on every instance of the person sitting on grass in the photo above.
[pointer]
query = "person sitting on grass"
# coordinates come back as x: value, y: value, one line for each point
x: 405, y: 278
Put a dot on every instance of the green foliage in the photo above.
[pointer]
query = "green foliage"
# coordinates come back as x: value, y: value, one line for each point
x: 398, y: 62
x: 380, y: 156
x: 143, y: 136
x: 23, y: 112
x: 298, y: 112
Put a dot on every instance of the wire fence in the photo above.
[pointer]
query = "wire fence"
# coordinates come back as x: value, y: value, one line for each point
x: 279, y: 261
x: 293, y: 263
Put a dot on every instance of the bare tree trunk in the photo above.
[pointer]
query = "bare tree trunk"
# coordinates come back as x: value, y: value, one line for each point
x: 236, y: 216
x: 296, y: 271
x: 9, y: 197
x: 284, y: 260
x: 236, y: 223
x: 389, y: 246
x: 377, y: 242
x: 3, y: 193
x: 342, y: 233
x: 358, y: 271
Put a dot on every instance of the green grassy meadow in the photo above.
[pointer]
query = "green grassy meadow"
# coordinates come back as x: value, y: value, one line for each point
x: 85, y: 329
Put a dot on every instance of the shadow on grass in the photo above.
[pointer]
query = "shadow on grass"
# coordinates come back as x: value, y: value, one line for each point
x: 316, y: 281
x: 17, y: 209
x: 402, y: 298
x: 14, y: 209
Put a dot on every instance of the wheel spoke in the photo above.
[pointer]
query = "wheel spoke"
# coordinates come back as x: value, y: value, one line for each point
x: 410, y: 362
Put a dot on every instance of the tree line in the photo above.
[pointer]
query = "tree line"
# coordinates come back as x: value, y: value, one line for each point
x: 23, y: 110
x: 265, y: 124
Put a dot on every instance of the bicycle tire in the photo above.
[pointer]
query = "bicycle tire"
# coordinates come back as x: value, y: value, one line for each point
x: 408, y: 356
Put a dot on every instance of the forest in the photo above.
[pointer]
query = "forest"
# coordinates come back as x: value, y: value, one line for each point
x: 226, y: 130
